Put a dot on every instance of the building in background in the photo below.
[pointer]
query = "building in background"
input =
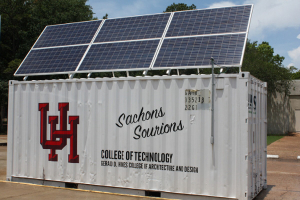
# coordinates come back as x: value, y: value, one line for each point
x: 284, y: 112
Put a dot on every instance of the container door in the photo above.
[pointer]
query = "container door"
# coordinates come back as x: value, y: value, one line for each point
x: 257, y: 135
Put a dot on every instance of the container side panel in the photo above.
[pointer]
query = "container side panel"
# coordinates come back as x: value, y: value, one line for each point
x: 135, y: 133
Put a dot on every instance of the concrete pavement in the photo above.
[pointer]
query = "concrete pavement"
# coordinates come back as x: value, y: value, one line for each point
x: 283, y: 174
x: 12, y: 190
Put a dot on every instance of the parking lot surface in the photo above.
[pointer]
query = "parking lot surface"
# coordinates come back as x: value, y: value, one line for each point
x: 283, y: 174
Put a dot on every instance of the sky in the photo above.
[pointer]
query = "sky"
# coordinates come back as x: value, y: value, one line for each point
x: 273, y: 21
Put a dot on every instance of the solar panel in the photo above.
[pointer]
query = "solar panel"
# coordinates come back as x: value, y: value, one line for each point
x: 185, y: 39
x: 133, y: 28
x: 121, y: 55
x: 68, y: 34
x: 52, y: 60
x: 197, y: 51
x: 210, y: 21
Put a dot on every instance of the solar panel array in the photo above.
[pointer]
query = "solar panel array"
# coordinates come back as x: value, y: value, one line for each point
x: 185, y: 39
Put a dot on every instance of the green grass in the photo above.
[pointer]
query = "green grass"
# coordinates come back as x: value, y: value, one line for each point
x: 273, y: 138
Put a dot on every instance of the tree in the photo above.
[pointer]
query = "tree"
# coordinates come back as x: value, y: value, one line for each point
x: 296, y: 75
x: 105, y: 16
x: 179, y: 6
x: 261, y: 62
x: 15, y: 16
x: 3, y: 104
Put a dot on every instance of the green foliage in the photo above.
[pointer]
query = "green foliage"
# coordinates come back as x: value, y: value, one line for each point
x: 105, y: 16
x: 15, y: 16
x: 60, y: 11
x: 179, y: 6
x: 4, y: 93
x: 12, y: 66
x: 3, y: 104
x: 261, y: 62
x: 296, y: 75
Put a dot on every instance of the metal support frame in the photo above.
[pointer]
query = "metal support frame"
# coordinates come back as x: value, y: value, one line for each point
x: 161, y: 41
x: 71, y: 76
x: 212, y: 101
x: 145, y: 72
x: 168, y: 72
x: 89, y: 75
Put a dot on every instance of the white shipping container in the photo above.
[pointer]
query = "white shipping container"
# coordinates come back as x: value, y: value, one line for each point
x: 141, y: 133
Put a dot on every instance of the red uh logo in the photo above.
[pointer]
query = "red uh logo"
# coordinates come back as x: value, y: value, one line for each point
x: 53, y: 144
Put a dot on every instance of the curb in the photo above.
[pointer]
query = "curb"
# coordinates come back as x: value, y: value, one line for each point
x: 273, y: 156
x: 277, y: 156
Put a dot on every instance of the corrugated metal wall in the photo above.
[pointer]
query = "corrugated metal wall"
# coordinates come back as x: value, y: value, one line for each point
x: 257, y: 109
x: 220, y: 169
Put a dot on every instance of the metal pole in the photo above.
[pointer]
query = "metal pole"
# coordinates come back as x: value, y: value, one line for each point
x: 71, y: 76
x: 212, y: 100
